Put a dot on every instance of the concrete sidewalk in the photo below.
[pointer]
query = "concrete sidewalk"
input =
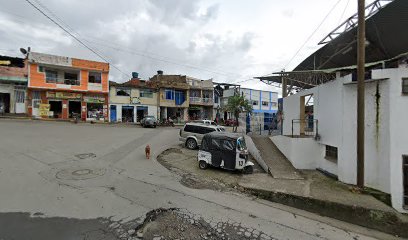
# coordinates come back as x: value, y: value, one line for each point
x: 312, y: 192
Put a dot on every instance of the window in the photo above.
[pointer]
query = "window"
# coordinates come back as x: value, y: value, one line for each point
x: 204, y: 130
x: 216, y: 144
x: 331, y: 153
x: 264, y: 103
x: 146, y: 93
x: 40, y: 69
x: 405, y: 179
x: 71, y: 78
x: 241, y: 144
x: 216, y: 99
x: 19, y: 95
x: 274, y: 104
x: 95, y: 77
x: 169, y: 94
x: 228, y: 145
x: 254, y: 102
x: 405, y: 85
x: 51, y: 76
x: 190, y: 128
x: 122, y: 92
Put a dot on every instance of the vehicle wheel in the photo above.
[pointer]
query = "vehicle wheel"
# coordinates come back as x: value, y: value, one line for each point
x: 202, y: 164
x: 191, y: 143
x: 248, y: 169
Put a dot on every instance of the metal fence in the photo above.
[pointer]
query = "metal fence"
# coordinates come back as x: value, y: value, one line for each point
x: 305, y: 128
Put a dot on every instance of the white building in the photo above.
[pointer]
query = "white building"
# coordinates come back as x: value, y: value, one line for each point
x: 334, y: 150
x: 264, y: 104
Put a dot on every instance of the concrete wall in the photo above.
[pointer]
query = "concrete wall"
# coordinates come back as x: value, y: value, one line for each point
x: 386, y: 132
x: 396, y: 133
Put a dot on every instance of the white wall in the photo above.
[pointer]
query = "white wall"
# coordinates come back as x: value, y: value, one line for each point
x: 398, y: 132
x: 386, y: 131
x: 303, y: 153
x: 335, y: 110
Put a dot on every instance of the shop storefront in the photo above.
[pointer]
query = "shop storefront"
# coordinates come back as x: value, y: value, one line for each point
x: 65, y: 105
x: 96, y: 107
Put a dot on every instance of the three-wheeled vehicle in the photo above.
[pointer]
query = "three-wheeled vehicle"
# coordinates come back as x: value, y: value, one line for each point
x: 224, y: 150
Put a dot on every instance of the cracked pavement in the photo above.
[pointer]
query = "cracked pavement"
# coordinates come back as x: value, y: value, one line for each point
x: 64, y: 181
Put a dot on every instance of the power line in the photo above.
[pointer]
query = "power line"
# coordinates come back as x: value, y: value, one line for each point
x: 311, y: 35
x: 76, y: 38
x: 344, y: 11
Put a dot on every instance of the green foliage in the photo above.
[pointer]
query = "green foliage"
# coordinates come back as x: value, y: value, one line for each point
x: 237, y: 104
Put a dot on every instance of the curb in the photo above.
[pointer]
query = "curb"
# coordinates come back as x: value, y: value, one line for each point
x: 387, y: 222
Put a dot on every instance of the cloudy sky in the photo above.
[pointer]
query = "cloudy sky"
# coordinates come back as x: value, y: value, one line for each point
x: 227, y: 40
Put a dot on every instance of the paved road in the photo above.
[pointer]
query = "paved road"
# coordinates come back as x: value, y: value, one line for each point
x: 64, y: 181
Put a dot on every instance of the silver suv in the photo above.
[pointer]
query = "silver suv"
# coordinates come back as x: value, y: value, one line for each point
x: 192, y: 133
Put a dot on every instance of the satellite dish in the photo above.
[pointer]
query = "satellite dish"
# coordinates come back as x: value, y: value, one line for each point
x: 23, y: 51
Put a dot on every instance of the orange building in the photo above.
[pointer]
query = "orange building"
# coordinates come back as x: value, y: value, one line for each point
x: 62, y: 87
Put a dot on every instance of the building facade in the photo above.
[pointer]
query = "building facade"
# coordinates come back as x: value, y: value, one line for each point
x: 332, y: 147
x: 201, y: 99
x: 61, y: 87
x: 131, y: 101
x: 173, y: 97
x: 264, y: 105
x: 13, y: 85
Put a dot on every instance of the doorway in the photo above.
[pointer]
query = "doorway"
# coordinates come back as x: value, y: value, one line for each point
x: 306, y: 115
x: 141, y: 112
x: 127, y: 114
x: 4, y: 102
x: 74, y: 107
x: 113, y: 113
x: 55, y: 109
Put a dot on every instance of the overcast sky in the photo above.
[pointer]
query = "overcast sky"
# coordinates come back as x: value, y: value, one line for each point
x: 227, y: 40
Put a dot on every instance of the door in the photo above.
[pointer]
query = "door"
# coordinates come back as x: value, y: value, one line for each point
x: 113, y: 113
x: 216, y: 152
x: 35, y: 103
x: 20, y: 101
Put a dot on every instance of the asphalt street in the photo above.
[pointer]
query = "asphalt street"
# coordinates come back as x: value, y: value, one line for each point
x: 61, y: 180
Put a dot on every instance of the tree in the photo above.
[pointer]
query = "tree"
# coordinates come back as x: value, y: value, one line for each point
x: 236, y: 105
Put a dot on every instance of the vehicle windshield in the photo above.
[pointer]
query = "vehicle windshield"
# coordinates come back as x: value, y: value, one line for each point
x: 241, y: 145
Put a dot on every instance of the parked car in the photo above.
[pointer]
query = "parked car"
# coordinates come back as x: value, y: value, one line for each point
x: 205, y: 121
x: 231, y: 122
x: 148, y: 121
x: 192, y: 133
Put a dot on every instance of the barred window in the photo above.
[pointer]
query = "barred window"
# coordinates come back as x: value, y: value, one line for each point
x: 331, y: 153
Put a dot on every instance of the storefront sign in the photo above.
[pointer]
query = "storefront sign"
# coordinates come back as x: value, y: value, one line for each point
x: 63, y: 95
x: 44, y: 109
x: 94, y: 99
x: 135, y: 100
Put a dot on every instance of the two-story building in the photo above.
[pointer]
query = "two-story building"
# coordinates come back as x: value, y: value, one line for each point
x: 264, y: 104
x: 13, y: 84
x: 59, y: 87
x: 131, y: 101
x: 201, y: 99
x: 173, y: 97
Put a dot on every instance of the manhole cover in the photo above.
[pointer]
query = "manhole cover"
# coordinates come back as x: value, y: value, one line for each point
x: 80, y: 173
x: 85, y: 155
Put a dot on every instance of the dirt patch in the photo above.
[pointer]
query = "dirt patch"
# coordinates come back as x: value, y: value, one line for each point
x: 184, y: 163
x: 173, y: 223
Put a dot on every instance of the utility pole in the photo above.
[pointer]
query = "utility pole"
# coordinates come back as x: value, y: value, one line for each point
x: 360, y: 92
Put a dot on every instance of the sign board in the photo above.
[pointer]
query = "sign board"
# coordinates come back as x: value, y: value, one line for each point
x: 49, y: 59
x: 94, y: 99
x: 63, y: 95
x: 135, y: 100
x: 44, y: 109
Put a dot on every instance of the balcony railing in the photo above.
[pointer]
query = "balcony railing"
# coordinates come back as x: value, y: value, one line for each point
x: 75, y: 82
x: 305, y: 128
x: 199, y: 100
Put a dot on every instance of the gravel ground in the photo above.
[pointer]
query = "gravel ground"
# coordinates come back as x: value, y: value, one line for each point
x: 184, y: 162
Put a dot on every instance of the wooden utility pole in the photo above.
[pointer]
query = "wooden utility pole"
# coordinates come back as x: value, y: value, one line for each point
x: 360, y: 92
